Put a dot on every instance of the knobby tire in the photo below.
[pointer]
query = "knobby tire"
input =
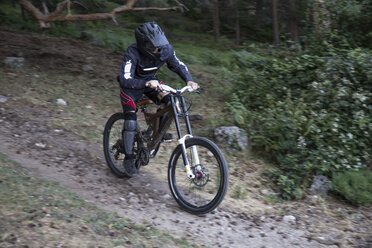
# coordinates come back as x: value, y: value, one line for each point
x: 177, y: 190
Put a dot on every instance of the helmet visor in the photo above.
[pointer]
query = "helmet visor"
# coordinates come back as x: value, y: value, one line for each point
x: 159, y: 40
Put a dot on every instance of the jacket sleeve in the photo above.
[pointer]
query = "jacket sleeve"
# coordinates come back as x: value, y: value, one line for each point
x: 178, y: 66
x: 126, y: 75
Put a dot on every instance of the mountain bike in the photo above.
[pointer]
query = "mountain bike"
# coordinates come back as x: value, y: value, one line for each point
x: 197, y: 169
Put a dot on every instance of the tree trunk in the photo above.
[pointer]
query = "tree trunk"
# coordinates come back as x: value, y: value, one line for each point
x: 275, y: 21
x: 259, y: 13
x: 59, y: 16
x: 293, y: 21
x: 237, y: 27
x: 45, y: 7
x: 216, y: 20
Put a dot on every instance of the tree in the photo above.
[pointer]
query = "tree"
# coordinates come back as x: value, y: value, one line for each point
x: 59, y: 16
x: 215, y: 10
x: 275, y: 21
x: 259, y: 13
x: 292, y: 21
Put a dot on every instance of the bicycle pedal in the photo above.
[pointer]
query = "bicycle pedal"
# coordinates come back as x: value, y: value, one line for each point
x: 168, y: 137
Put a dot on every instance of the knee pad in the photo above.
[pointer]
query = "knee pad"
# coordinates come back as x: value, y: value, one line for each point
x: 128, y: 136
x: 130, y: 125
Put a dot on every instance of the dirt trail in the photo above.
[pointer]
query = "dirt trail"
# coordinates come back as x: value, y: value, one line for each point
x: 80, y: 166
x: 55, y: 154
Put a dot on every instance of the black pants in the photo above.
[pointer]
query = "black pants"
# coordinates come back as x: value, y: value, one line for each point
x: 129, y: 98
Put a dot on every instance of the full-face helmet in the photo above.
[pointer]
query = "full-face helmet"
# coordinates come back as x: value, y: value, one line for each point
x: 150, y: 39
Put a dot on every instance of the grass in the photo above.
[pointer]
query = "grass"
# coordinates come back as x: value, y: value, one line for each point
x: 36, y: 211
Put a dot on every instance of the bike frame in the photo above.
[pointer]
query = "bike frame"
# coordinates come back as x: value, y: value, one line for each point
x: 175, y: 110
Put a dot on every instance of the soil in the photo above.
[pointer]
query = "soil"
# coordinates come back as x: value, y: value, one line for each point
x: 27, y: 137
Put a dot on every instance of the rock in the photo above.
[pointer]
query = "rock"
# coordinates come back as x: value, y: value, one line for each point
x: 3, y: 98
x: 14, y: 62
x: 267, y: 192
x: 87, y: 67
x: 166, y: 196
x: 320, y: 185
x: 61, y: 102
x: 326, y: 240
x: 41, y: 145
x: 234, y: 137
x: 289, y: 219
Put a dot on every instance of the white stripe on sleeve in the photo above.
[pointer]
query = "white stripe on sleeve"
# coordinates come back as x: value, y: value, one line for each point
x: 127, y: 67
x: 179, y: 61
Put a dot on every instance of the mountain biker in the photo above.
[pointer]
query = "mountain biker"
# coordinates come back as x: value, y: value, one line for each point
x: 138, y: 76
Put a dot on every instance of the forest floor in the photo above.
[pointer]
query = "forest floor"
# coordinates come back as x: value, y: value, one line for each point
x: 63, y: 144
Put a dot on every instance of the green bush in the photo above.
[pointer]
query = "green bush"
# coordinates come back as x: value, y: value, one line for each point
x: 311, y: 114
x: 355, y: 186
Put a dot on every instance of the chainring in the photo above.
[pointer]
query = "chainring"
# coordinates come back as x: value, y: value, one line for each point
x: 143, y: 156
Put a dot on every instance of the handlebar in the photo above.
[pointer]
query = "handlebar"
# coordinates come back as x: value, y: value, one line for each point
x: 166, y: 88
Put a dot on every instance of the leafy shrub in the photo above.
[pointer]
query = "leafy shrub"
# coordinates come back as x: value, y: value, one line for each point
x: 355, y: 186
x: 309, y: 113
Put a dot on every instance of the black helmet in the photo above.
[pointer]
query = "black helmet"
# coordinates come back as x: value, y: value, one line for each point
x: 150, y: 36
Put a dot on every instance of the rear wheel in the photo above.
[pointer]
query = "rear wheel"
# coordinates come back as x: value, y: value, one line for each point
x: 113, y: 145
x: 205, y: 192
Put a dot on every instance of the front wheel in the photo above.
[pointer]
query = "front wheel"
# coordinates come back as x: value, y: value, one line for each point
x: 205, y: 192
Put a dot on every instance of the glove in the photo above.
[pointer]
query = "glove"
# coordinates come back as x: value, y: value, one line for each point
x: 193, y: 85
x: 154, y: 84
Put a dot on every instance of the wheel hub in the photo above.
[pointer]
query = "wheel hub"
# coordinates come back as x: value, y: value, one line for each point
x: 201, y: 175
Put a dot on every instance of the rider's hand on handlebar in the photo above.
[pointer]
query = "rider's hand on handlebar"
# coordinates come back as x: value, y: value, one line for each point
x: 154, y: 84
x: 193, y: 85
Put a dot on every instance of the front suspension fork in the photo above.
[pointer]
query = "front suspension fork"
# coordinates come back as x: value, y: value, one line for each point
x: 195, y: 156
x: 182, y: 110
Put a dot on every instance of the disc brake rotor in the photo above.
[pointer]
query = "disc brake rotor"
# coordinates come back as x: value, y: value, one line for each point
x: 201, y: 175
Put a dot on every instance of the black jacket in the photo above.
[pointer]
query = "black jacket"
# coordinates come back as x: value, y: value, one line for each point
x: 136, y: 69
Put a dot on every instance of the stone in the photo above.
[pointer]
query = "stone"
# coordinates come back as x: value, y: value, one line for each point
x: 60, y: 101
x: 321, y: 185
x: 267, y: 192
x: 325, y: 240
x: 40, y: 145
x: 232, y: 136
x: 87, y: 67
x: 3, y: 99
x: 289, y: 219
x: 14, y: 62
